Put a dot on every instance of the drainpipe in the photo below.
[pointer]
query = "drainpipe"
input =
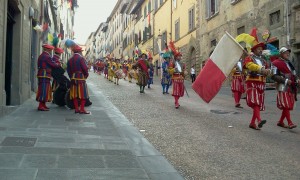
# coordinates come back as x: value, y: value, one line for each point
x: 171, y: 31
x: 287, y: 23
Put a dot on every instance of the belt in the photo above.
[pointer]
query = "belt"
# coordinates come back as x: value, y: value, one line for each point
x: 256, y: 78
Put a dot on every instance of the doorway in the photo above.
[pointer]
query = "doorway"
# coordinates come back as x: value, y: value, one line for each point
x: 8, y: 58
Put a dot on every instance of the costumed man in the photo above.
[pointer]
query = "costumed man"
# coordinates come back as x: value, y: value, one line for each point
x: 255, y: 83
x: 178, y: 78
x: 131, y: 72
x: 142, y: 66
x: 78, y: 73
x: 150, y: 71
x: 237, y: 83
x: 125, y: 67
x: 56, y: 59
x: 110, y: 70
x: 285, y: 75
x: 117, y: 67
x: 106, y: 68
x: 166, y: 77
x: 45, y: 65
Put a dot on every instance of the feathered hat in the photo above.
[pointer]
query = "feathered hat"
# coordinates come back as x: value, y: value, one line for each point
x: 143, y: 52
x: 251, y: 40
x: 175, y: 52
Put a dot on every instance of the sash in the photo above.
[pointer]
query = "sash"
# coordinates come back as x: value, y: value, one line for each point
x: 143, y: 65
x: 282, y: 66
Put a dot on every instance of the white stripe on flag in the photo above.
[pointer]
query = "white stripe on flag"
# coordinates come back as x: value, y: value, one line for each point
x: 217, y: 68
x: 227, y: 53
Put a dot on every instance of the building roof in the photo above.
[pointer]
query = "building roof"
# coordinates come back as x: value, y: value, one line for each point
x: 137, y: 7
x: 123, y: 8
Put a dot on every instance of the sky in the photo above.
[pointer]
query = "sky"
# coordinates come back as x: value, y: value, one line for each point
x: 89, y: 16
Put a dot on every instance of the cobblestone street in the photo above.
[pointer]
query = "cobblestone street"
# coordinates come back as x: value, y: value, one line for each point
x: 207, y: 141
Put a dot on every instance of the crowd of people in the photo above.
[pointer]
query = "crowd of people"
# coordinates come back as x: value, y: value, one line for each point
x: 247, y: 77
x: 141, y: 69
x: 77, y: 70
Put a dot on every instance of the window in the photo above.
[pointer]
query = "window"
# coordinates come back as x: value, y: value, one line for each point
x: 139, y: 15
x: 140, y: 37
x: 212, y: 8
x: 163, y: 40
x: 275, y: 17
x: 149, y: 7
x: 241, y: 30
x: 145, y: 12
x: 155, y: 5
x: 213, y: 43
x: 191, y: 19
x: 177, y: 30
x: 147, y: 33
x: 136, y: 39
x: 161, y: 2
x: 233, y: 2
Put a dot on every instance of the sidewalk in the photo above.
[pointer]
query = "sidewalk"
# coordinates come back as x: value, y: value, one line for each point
x: 62, y: 145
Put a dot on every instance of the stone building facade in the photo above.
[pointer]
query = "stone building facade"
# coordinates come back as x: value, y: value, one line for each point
x: 280, y: 18
x: 16, y: 66
x: 20, y: 44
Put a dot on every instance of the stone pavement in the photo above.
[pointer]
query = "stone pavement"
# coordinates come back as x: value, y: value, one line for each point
x: 62, y: 145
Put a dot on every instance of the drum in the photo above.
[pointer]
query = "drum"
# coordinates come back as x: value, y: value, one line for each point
x: 132, y: 73
x: 70, y: 104
x: 119, y: 74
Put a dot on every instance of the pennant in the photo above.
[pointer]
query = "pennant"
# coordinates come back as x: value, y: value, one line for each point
x: 217, y: 68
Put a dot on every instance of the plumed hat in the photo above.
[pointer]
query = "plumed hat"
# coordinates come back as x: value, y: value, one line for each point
x: 167, y: 54
x: 251, y: 40
x: 144, y: 52
x: 175, y: 52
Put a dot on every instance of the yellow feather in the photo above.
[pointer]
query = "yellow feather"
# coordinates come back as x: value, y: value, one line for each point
x: 248, y: 39
x: 50, y: 38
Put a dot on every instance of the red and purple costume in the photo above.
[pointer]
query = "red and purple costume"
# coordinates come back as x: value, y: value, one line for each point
x: 78, y: 72
x: 45, y: 65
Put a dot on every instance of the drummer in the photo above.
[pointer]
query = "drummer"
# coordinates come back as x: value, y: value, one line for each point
x: 118, y: 71
x: 130, y: 70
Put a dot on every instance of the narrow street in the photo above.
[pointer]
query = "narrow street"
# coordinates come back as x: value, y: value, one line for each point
x: 209, y: 141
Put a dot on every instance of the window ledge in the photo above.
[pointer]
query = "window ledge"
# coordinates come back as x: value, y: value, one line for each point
x: 235, y: 2
x: 212, y: 16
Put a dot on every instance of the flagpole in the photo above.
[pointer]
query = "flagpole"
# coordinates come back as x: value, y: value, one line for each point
x: 235, y: 41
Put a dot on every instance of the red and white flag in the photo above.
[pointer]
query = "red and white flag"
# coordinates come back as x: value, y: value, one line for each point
x: 217, y: 68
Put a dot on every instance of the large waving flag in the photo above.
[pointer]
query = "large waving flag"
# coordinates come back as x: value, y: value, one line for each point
x: 219, y: 65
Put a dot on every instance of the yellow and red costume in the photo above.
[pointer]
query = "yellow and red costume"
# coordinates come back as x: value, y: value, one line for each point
x: 177, y: 72
x: 237, y: 84
x: 255, y: 88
